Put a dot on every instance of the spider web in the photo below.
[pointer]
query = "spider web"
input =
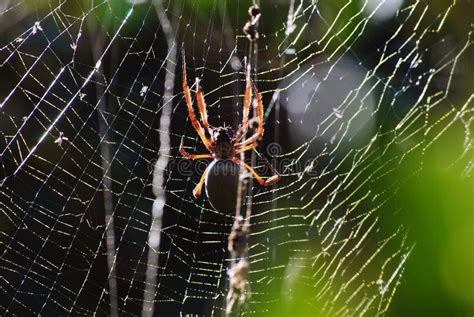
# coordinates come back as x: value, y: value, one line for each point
x: 97, y: 213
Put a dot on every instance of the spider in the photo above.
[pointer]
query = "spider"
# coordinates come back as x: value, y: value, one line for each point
x: 222, y: 142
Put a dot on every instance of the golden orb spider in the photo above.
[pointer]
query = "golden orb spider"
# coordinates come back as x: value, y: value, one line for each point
x: 222, y: 142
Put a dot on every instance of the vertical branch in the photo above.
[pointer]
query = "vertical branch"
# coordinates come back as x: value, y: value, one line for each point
x: 239, y: 291
x: 154, y: 236
x: 106, y: 161
x: 254, y: 12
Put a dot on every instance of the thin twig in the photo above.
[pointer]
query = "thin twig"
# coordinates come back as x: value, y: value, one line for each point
x: 239, y: 291
x: 107, y: 177
x: 154, y: 236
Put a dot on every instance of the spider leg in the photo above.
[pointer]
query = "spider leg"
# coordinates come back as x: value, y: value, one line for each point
x: 268, y: 182
x: 246, y: 148
x: 194, y: 156
x: 187, y: 96
x: 247, y: 102
x: 202, y: 108
x: 260, y: 130
x: 197, y: 190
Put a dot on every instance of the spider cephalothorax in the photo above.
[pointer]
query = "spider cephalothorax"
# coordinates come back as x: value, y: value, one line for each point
x: 221, y: 141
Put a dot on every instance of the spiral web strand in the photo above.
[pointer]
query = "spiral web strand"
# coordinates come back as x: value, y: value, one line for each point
x: 80, y: 147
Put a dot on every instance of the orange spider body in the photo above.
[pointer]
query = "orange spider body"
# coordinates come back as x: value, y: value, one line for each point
x: 222, y: 142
